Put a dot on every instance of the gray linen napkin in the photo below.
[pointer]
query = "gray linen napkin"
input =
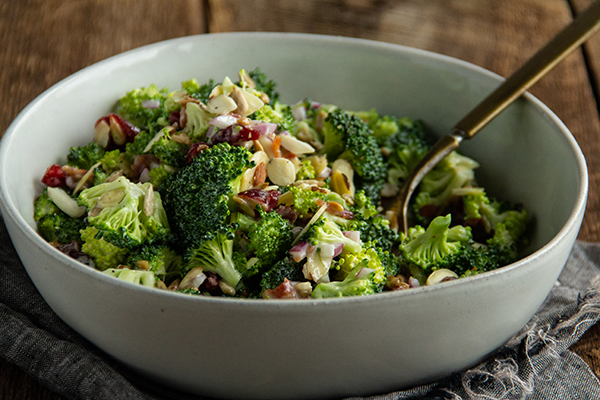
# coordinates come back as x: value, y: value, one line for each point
x: 535, y: 364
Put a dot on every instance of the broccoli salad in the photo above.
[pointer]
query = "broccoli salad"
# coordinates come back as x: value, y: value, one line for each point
x: 221, y: 189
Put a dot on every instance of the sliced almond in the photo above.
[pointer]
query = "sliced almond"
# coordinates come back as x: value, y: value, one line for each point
x: 253, y: 101
x: 239, y: 99
x: 296, y: 146
x: 281, y: 171
x: 181, y: 138
x: 110, y: 198
x: 440, y: 275
x: 85, y: 177
x: 116, y: 131
x: 155, y: 139
x: 226, y: 288
x: 149, y: 201
x: 221, y: 104
x: 102, y: 133
x: 65, y: 202
x: 260, y: 174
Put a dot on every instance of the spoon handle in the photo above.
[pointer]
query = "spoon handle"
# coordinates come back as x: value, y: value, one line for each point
x: 582, y: 27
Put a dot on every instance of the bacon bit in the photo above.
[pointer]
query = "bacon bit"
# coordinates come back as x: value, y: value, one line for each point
x: 75, y: 173
x: 194, y: 150
x: 55, y: 176
x: 397, y: 282
x: 277, y: 147
x: 429, y: 210
x: 287, y: 213
x: 141, y: 162
x: 284, y: 291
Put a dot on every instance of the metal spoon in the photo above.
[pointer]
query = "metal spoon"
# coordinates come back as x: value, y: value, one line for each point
x: 570, y: 38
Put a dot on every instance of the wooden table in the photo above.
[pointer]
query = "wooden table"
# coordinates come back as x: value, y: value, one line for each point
x: 43, y: 41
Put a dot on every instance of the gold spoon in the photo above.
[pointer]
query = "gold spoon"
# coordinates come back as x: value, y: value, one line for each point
x: 570, y: 38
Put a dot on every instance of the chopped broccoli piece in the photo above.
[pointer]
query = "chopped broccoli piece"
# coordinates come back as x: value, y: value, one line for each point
x: 200, y: 92
x: 117, y: 210
x: 269, y: 238
x: 369, y: 258
x: 196, y: 197
x: 426, y: 247
x: 278, y: 114
x: 105, y: 255
x: 160, y: 259
x: 216, y: 255
x: 85, y: 156
x: 144, y: 278
x: 134, y: 107
x: 284, y: 268
x: 305, y: 200
x: 325, y: 231
x: 352, y: 285
x: 53, y: 224
x: 455, y: 171
x: 306, y: 171
x: 168, y: 151
x: 346, y: 136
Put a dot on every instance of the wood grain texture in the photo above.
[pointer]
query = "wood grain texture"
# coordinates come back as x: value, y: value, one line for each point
x: 43, y: 41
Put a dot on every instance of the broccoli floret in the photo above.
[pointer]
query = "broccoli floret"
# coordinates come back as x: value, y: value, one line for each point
x: 284, y: 268
x: 306, y: 171
x: 374, y: 229
x: 159, y: 175
x: 117, y: 210
x: 496, y: 215
x: 404, y: 149
x: 346, y: 136
x: 369, y: 258
x: 85, y: 156
x: 135, y: 108
x: 138, y: 145
x: 269, y: 238
x: 144, y: 278
x: 427, y: 247
x: 383, y: 127
x: 471, y: 260
x: 53, y: 224
x: 325, y: 231
x: 163, y: 261
x: 454, y: 172
x: 364, y: 205
x: 352, y: 285
x: 105, y: 255
x: 200, y: 92
x: 196, y: 197
x: 279, y: 114
x: 305, y: 200
x: 216, y: 255
x: 168, y: 151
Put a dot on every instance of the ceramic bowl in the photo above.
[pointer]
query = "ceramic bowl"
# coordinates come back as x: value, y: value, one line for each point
x: 234, y: 348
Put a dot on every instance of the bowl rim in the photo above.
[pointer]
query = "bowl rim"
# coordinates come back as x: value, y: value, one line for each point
x: 10, y: 210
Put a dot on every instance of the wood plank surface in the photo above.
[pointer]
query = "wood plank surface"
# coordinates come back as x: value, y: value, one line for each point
x: 44, y: 41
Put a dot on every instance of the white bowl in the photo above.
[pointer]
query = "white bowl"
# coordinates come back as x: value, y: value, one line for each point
x: 298, y: 349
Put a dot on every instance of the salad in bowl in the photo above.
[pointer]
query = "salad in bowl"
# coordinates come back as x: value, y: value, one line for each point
x: 224, y: 190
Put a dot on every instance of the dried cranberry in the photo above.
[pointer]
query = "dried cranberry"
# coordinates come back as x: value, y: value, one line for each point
x: 246, y: 134
x: 55, y: 176
x: 266, y: 199
x: 287, y: 213
x: 194, y: 150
